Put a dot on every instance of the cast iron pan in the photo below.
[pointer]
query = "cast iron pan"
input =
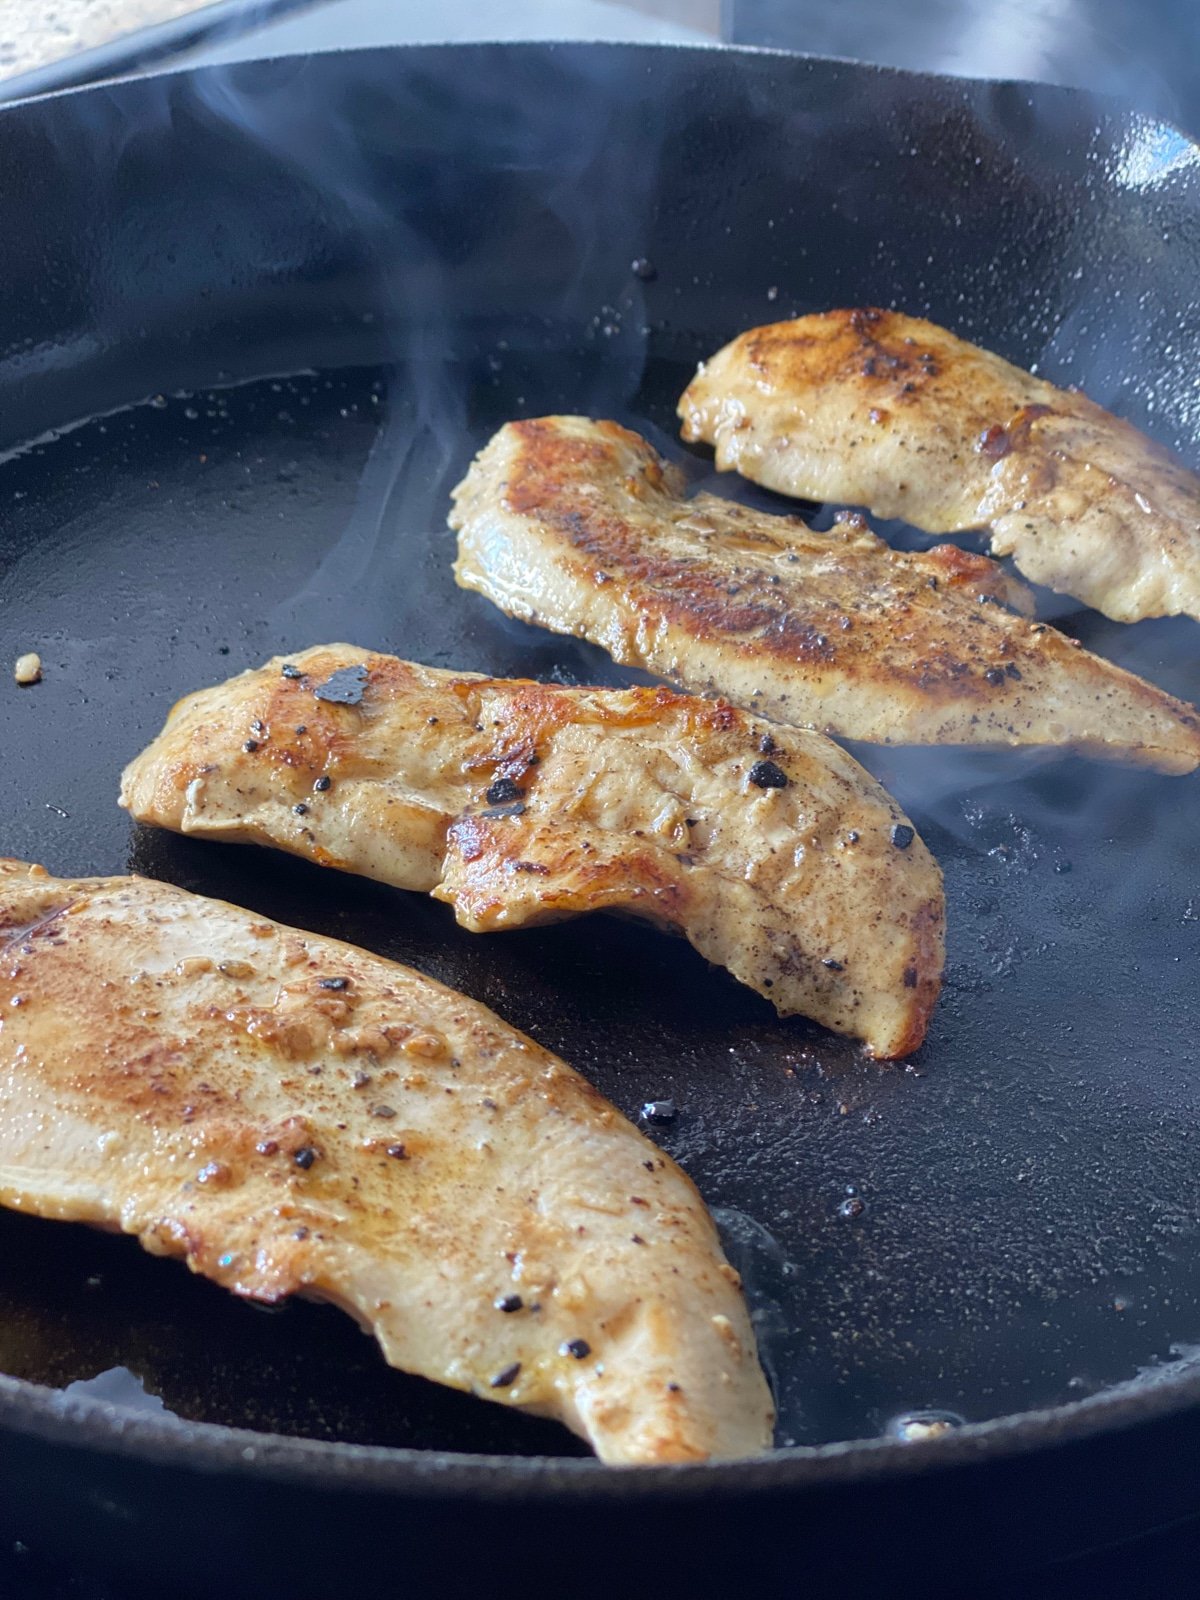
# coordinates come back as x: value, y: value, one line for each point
x: 293, y: 297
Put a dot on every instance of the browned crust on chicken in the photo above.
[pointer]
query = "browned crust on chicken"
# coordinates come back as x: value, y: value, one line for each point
x: 770, y: 848
x: 581, y: 527
x: 292, y: 1115
x: 892, y: 412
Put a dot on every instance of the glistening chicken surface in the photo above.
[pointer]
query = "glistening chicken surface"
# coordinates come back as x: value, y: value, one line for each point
x: 516, y: 802
x: 293, y: 1115
x: 891, y: 412
x: 580, y: 527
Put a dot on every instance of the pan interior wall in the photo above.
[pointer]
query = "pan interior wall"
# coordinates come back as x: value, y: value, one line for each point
x: 429, y: 263
x: 1027, y: 1185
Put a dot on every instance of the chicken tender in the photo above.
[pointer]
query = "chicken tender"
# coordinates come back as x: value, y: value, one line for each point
x: 292, y: 1115
x: 894, y: 413
x: 770, y: 848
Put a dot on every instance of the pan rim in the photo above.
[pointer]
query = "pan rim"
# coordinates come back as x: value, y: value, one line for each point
x: 39, y: 1411
x: 1105, y: 104
x: 52, y: 1416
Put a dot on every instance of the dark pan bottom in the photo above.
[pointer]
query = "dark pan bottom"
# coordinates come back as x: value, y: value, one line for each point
x: 1029, y: 1192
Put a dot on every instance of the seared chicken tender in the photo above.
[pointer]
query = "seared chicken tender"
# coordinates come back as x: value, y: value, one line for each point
x: 295, y: 1116
x: 579, y: 526
x: 891, y: 412
x: 776, y: 854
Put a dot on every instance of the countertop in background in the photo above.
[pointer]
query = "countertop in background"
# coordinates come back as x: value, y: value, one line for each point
x: 38, y: 33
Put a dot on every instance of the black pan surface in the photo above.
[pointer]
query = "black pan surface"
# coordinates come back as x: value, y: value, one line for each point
x: 421, y: 245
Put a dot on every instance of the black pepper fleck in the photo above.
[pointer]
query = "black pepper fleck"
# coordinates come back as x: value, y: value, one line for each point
x: 333, y: 983
x: 995, y: 676
x: 659, y: 1111
x: 322, y: 783
x: 834, y: 966
x: 766, y: 745
x: 579, y: 1348
x: 305, y: 1156
x: 397, y: 1152
x: 766, y: 775
x: 504, y: 790
x: 300, y: 809
x: 910, y: 977
x: 250, y: 746
x: 508, y: 1302
x: 517, y: 809
x: 506, y: 1376
x: 902, y: 835
x: 386, y: 1112
x: 289, y: 671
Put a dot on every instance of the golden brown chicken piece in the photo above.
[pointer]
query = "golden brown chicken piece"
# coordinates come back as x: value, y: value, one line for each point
x: 776, y: 854
x: 292, y: 1115
x: 579, y: 526
x: 891, y: 412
